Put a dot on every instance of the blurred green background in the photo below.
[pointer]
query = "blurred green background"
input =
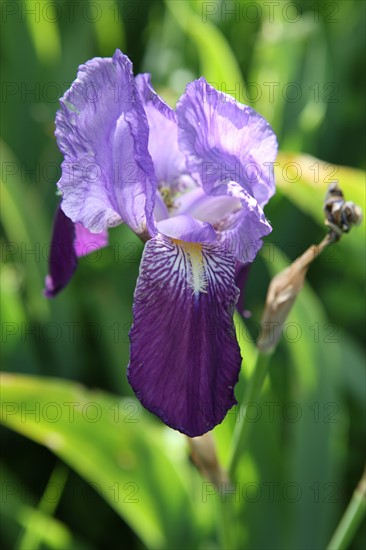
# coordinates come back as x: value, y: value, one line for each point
x: 88, y: 468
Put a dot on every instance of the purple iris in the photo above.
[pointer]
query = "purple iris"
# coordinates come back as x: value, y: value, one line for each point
x: 192, y: 183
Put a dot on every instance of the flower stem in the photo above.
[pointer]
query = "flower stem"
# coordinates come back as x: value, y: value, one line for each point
x: 351, y: 518
x: 242, y: 429
x: 226, y: 522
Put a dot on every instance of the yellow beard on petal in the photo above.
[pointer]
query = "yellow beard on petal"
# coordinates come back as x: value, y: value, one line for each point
x: 197, y: 273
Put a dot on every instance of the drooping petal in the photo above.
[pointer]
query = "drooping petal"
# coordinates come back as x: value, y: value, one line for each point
x: 241, y: 233
x: 69, y: 241
x: 224, y: 140
x: 62, y: 259
x: 241, y: 277
x: 169, y: 161
x: 101, y: 128
x: 185, y: 359
x: 186, y: 228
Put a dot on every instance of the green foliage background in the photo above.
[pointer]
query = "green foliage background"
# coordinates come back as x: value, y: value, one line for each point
x: 124, y: 480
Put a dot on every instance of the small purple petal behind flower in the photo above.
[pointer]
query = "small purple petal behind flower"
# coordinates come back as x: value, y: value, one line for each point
x: 185, y: 360
x: 226, y: 141
x: 63, y: 259
x: 87, y: 242
x: 102, y: 130
x: 69, y: 241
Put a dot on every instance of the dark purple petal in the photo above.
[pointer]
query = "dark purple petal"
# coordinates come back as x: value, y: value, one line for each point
x: 186, y: 228
x: 63, y: 259
x: 185, y: 359
x: 69, y: 241
x: 102, y: 130
x: 224, y: 141
x: 241, y: 278
x: 169, y: 162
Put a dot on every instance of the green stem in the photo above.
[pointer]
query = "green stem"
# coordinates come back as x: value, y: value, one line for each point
x: 32, y: 537
x: 226, y: 523
x: 242, y: 429
x: 351, y: 518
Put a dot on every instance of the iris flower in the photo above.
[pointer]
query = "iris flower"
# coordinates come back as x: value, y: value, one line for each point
x: 191, y: 183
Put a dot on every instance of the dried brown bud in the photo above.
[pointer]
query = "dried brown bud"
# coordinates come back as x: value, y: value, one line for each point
x: 284, y: 287
x: 340, y: 214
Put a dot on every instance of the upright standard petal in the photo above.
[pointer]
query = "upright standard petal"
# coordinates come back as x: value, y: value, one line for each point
x: 224, y: 140
x: 169, y: 161
x: 69, y: 241
x: 101, y: 128
x: 185, y: 359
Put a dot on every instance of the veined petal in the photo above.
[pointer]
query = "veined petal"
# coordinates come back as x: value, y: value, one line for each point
x: 224, y: 140
x: 169, y: 161
x: 101, y: 128
x: 69, y: 241
x: 185, y: 359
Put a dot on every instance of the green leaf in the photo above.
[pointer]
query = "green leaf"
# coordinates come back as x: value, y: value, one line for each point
x: 304, y: 180
x: 277, y: 57
x: 36, y: 525
x: 224, y: 431
x: 20, y: 207
x: 138, y: 465
x: 21, y: 513
x: 218, y: 63
x: 42, y: 25
x: 109, y: 29
x: 314, y: 418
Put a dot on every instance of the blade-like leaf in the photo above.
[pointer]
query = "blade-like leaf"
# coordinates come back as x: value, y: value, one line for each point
x: 115, y: 446
x: 218, y: 63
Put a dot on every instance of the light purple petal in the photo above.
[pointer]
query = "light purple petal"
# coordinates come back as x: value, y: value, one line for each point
x: 169, y: 162
x: 160, y: 211
x: 186, y: 228
x: 69, y: 241
x: 101, y: 128
x: 185, y: 360
x: 241, y: 233
x: 208, y: 208
x: 224, y: 141
x: 87, y: 242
